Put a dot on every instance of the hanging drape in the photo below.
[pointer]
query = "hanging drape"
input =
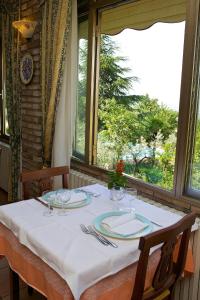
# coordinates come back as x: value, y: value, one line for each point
x: 12, y: 98
x: 65, y: 116
x: 56, y: 22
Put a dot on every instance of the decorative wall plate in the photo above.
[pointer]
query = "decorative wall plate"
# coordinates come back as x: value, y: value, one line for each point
x: 26, y: 68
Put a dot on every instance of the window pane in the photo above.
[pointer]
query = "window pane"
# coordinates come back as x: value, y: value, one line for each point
x: 194, y: 184
x: 139, y: 90
x: 79, y: 145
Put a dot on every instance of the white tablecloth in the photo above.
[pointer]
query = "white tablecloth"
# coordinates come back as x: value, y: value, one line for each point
x: 78, y: 258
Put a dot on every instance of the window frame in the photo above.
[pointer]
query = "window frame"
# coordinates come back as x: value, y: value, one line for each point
x: 179, y: 195
x: 3, y: 136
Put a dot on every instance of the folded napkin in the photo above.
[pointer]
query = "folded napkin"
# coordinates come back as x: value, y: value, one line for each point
x: 77, y: 197
x: 125, y: 225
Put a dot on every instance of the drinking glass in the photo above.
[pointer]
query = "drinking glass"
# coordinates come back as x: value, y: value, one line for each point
x: 49, y: 211
x: 63, y: 198
x: 128, y: 193
x: 117, y: 194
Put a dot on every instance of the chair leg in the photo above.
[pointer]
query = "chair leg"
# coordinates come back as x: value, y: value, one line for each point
x: 30, y: 290
x: 14, y: 285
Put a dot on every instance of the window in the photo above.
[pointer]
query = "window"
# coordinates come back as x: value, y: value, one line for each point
x: 140, y: 86
x: 4, y: 130
x: 192, y: 185
x: 79, y: 143
x: 139, y: 90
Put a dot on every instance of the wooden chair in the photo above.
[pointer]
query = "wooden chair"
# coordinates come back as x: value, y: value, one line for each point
x: 167, y: 272
x: 44, y: 179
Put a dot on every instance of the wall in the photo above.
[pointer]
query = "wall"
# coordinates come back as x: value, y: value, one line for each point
x: 31, y: 93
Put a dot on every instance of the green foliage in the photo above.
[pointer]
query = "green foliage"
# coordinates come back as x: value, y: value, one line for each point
x: 157, y: 121
x: 151, y: 175
x: 195, y: 174
x: 113, y: 77
x: 120, y: 125
x: 116, y: 180
x: 136, y: 127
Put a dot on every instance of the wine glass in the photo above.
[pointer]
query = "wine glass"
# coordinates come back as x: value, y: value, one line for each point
x: 131, y: 194
x: 62, y: 199
x: 49, y: 211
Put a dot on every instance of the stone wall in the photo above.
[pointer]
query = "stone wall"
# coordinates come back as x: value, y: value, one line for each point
x: 31, y: 93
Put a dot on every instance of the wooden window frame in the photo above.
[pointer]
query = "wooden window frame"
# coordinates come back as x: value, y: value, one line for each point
x: 3, y: 136
x: 177, y: 197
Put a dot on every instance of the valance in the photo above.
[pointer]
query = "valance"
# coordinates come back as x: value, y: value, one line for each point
x: 142, y: 14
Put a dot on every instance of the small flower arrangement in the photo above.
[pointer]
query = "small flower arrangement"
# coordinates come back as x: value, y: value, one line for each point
x: 117, y: 179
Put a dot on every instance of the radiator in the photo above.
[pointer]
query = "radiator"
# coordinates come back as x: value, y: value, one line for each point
x: 187, y: 288
x: 4, y: 166
x: 77, y: 179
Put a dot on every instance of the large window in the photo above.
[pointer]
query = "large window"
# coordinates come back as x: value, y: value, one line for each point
x: 139, y: 90
x: 140, y: 85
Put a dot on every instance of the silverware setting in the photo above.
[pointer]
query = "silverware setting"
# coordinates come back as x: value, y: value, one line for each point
x: 45, y: 204
x: 87, y: 231
x: 157, y: 224
x: 98, y: 236
x: 103, y: 237
x: 89, y: 193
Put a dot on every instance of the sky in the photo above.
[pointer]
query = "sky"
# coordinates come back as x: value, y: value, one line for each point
x: 155, y: 57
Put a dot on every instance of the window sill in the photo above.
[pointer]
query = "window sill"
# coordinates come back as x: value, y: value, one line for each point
x: 168, y: 198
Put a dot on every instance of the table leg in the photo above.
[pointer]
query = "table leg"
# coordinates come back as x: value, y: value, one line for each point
x: 14, y: 285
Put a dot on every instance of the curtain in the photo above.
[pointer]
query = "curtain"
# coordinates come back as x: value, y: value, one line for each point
x: 56, y: 22
x: 65, y: 117
x: 142, y: 14
x: 12, y: 98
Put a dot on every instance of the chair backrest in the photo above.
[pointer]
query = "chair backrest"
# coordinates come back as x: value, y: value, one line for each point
x: 167, y: 271
x: 44, y: 179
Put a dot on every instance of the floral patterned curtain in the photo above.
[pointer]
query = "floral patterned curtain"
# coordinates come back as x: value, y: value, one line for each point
x: 56, y: 22
x: 12, y: 97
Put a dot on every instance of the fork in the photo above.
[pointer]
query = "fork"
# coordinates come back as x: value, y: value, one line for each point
x: 103, y: 237
x: 87, y: 231
x: 88, y: 192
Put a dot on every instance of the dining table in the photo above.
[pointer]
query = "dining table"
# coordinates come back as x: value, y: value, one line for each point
x: 55, y: 256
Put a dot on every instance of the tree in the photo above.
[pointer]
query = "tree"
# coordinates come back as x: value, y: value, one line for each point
x: 157, y: 122
x: 195, y: 165
x: 142, y: 132
x: 131, y: 126
x: 120, y: 126
x: 113, y: 80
